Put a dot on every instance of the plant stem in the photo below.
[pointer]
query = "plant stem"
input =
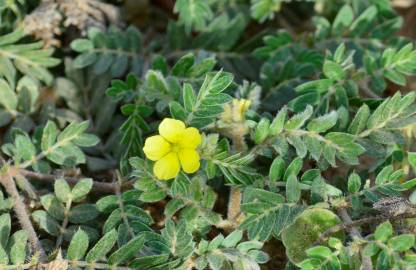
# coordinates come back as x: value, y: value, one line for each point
x: 325, y: 235
x: 367, y: 264
x: 117, y: 184
x: 234, y: 203
x: 97, y: 187
x: 64, y: 223
x: 234, y: 200
x: 21, y: 212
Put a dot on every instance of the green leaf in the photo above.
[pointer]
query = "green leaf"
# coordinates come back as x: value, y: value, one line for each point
x: 371, y: 249
x: 299, y: 119
x: 402, y: 242
x: 78, y: 246
x: 335, y: 243
x: 4, y: 258
x: 193, y: 14
x: 183, y: 65
x: 339, y: 52
x: 83, y: 213
x: 17, y: 247
x: 62, y: 190
x: 412, y: 197
x: 29, y: 58
x: 383, y: 231
x: 49, y: 135
x: 262, y: 130
x: 293, y: 191
x: 5, y: 118
x: 262, y: 10
x: 259, y: 256
x: 354, y: 183
x: 384, y: 175
x: 210, y: 100
x: 53, y: 206
x: 24, y: 147
x: 294, y: 168
x: 323, y: 123
x: 173, y: 206
x: 232, y: 239
x: 249, y: 245
x: 188, y: 97
x: 81, y: 189
x: 113, y: 52
x: 306, y: 229
x: 215, y: 261
x: 86, y: 140
x: 102, y: 247
x: 177, y: 111
x: 8, y: 97
x: 343, y: 19
x: 82, y: 45
x: 72, y: 131
x: 359, y: 122
x: 153, y: 196
x: 333, y: 70
x: 277, y: 169
x: 201, y: 68
x: 46, y: 222
x: 411, y: 157
x: 278, y: 122
x: 319, y: 252
x: 127, y: 251
x: 363, y: 22
x: 5, y: 228
x: 84, y: 60
x: 395, y: 77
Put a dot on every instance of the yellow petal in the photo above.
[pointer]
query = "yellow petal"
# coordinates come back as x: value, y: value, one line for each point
x: 171, y: 129
x: 156, y: 147
x: 189, y: 159
x: 167, y: 167
x: 191, y: 138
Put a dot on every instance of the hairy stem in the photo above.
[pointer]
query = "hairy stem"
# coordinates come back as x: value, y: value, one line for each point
x: 97, y: 187
x: 234, y: 201
x: 64, y: 223
x: 21, y: 212
x: 367, y: 264
x: 325, y: 235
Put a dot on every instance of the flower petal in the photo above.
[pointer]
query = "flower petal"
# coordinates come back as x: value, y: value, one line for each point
x: 167, y: 167
x: 156, y: 147
x: 191, y: 138
x: 171, y: 129
x: 189, y: 159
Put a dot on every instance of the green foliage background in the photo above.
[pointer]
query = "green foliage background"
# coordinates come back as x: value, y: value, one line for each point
x: 316, y: 173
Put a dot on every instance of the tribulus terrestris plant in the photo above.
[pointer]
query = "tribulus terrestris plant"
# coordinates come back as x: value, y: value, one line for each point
x: 193, y: 134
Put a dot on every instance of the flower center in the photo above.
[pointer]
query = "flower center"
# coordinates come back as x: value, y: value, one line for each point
x: 175, y: 147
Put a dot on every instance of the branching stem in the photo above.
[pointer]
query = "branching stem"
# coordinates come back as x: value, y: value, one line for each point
x: 234, y: 200
x: 367, y: 264
x: 97, y: 187
x: 19, y: 208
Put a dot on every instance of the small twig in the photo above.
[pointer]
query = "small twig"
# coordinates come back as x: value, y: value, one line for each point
x: 367, y: 264
x: 20, y: 210
x: 97, y: 187
x: 234, y: 200
x: 234, y: 203
x: 118, y: 183
x: 325, y: 235
x: 64, y: 222
x: 344, y: 226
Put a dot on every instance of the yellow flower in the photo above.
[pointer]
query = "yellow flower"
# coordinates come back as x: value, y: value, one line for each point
x: 174, y: 148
